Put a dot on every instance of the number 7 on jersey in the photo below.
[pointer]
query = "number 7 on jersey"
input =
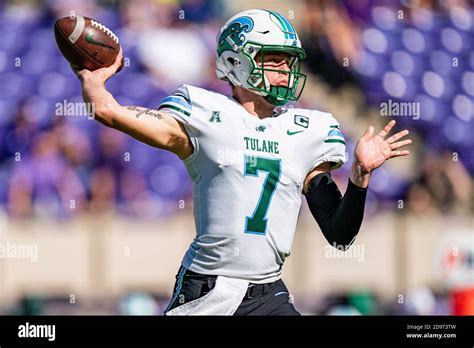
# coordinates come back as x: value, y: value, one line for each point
x: 257, y: 223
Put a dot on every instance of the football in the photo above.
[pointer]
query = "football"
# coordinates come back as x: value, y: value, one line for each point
x: 86, y: 43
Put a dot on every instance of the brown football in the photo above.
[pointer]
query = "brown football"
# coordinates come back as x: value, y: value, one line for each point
x: 86, y: 43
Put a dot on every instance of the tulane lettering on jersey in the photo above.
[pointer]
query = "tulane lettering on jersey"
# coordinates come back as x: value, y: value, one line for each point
x: 247, y: 177
x: 261, y: 145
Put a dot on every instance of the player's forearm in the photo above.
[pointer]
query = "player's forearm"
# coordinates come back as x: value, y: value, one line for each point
x: 346, y: 222
x: 104, y: 104
x: 338, y: 217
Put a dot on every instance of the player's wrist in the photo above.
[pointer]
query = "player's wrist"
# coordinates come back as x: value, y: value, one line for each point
x: 92, y: 83
x: 94, y: 91
x: 360, y: 176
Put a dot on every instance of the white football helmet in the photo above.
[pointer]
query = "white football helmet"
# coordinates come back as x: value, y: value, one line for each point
x: 249, y: 33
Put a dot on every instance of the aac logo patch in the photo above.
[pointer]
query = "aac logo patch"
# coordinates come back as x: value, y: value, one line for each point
x: 216, y: 117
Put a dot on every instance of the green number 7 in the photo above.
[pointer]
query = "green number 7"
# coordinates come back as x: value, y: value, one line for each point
x: 257, y: 223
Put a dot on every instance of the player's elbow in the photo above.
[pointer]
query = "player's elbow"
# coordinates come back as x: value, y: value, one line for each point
x: 340, y: 236
x: 341, y: 240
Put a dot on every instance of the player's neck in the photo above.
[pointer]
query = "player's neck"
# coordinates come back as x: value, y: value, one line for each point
x: 254, y: 104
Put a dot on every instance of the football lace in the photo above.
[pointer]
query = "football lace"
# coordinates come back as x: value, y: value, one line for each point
x: 105, y: 30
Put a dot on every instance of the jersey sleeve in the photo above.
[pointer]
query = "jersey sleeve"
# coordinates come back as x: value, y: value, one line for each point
x: 178, y: 104
x: 332, y: 146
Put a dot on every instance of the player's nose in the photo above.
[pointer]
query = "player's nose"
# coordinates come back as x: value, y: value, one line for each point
x: 282, y: 79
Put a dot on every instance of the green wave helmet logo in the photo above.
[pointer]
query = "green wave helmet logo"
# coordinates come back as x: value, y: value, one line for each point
x: 233, y: 33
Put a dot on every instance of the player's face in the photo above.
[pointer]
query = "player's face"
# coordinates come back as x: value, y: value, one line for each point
x: 275, y: 61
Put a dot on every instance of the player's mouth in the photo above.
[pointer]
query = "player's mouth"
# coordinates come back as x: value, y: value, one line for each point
x: 282, y: 82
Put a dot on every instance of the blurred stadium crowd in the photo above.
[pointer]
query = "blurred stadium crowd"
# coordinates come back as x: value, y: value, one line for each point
x: 56, y: 162
x: 360, y: 54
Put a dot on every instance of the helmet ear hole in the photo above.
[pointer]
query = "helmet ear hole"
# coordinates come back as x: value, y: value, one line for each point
x: 233, y: 61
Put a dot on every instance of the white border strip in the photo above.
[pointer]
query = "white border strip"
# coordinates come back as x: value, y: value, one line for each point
x: 78, y: 29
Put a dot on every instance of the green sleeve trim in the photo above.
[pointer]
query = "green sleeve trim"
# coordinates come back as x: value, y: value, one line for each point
x: 335, y: 141
x: 169, y: 106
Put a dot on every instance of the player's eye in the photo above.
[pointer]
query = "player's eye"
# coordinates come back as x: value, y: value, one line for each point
x: 278, y: 60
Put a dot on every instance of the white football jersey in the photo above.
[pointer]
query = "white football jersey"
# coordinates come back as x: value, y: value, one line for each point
x: 248, y: 176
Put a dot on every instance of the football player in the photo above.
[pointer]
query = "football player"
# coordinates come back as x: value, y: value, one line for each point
x: 250, y: 159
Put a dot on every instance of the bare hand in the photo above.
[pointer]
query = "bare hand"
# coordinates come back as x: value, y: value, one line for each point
x: 100, y: 76
x: 372, y: 151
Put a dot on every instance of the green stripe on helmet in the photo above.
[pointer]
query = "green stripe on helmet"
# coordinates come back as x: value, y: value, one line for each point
x: 289, y: 28
x: 284, y: 29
